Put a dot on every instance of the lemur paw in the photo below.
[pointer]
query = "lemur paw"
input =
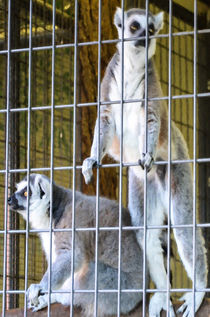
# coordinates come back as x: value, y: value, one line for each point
x: 43, y: 302
x: 33, y: 293
x: 87, y: 169
x: 187, y: 307
x: 159, y: 302
x: 146, y: 161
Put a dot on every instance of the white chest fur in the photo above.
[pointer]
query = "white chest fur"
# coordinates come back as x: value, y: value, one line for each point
x: 132, y: 112
x: 45, y: 239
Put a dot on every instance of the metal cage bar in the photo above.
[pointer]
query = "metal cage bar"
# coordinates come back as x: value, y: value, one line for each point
x: 28, y: 154
x: 194, y: 149
x: 121, y: 159
x: 74, y: 156
x: 89, y: 104
x: 6, y: 160
x: 145, y: 170
x: 169, y: 156
x: 49, y: 47
x: 98, y: 162
x: 51, y: 159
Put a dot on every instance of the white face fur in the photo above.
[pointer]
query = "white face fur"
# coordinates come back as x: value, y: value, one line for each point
x: 39, y: 198
x: 135, y: 26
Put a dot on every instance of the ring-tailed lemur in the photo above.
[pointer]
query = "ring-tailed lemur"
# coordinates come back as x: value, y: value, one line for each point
x: 157, y: 149
x: 84, y: 259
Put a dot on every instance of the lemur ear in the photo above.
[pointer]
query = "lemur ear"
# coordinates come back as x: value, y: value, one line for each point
x: 118, y: 18
x: 43, y: 186
x: 41, y: 190
x: 159, y: 21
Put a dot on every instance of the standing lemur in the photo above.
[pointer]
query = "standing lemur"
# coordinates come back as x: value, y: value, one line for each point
x: 84, y: 248
x: 157, y: 149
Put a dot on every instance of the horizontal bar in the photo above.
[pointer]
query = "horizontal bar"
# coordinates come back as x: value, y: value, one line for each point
x: 49, y: 47
x: 89, y: 104
x: 151, y: 290
x: 129, y: 228
x: 64, y: 168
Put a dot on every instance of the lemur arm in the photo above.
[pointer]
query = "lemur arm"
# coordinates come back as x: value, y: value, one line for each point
x: 153, y: 131
x: 107, y: 131
x: 60, y: 271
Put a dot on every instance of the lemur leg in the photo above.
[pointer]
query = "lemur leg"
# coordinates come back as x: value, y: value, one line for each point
x: 182, y: 213
x: 108, y: 280
x: 107, y: 130
x: 154, y: 251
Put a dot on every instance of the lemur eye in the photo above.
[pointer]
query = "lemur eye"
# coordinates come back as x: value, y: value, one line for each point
x: 25, y: 194
x: 134, y: 26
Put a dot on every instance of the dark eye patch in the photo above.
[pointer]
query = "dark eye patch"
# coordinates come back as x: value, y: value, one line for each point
x: 134, y: 26
x: 24, y: 190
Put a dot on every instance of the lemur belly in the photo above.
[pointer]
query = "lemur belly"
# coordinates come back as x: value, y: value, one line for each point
x: 132, y: 127
x: 132, y: 112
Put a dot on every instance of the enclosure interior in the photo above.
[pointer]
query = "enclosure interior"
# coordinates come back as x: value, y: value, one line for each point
x: 40, y: 79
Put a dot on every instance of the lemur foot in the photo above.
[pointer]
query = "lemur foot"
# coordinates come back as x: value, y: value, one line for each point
x: 159, y: 302
x: 33, y: 293
x: 187, y: 307
x: 87, y: 169
x: 146, y: 161
x: 42, y: 303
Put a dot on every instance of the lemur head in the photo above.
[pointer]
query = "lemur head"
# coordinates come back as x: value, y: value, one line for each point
x: 39, y: 197
x: 135, y: 26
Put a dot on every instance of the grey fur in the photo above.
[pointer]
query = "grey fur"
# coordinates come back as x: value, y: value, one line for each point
x: 84, y: 262
x: 134, y: 149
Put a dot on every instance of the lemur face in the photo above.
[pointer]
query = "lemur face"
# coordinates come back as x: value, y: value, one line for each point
x: 39, y: 194
x: 135, y: 26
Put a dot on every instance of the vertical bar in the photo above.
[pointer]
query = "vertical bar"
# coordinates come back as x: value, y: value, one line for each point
x: 194, y: 148
x: 51, y: 157
x: 121, y: 162
x: 6, y: 160
x: 169, y: 155
x: 74, y: 156
x: 98, y: 160
x: 145, y: 170
x: 14, y: 156
x: 28, y: 154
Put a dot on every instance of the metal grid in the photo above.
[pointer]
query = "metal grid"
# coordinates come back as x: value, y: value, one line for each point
x: 7, y: 170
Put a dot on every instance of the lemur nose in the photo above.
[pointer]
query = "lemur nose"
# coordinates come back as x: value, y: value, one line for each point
x: 9, y: 200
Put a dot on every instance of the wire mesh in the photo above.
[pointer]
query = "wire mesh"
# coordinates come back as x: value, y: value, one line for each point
x: 52, y: 137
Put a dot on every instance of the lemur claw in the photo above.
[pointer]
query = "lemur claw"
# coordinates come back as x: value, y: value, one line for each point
x: 146, y: 161
x: 87, y: 168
